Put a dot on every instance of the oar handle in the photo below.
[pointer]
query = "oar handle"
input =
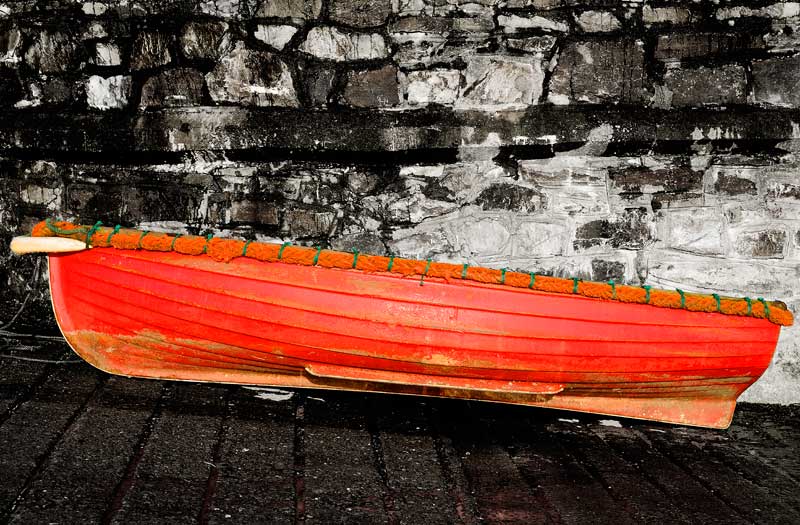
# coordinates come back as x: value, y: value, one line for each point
x: 23, y: 245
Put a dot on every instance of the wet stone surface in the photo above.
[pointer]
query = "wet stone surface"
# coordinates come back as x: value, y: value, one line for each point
x: 82, y: 446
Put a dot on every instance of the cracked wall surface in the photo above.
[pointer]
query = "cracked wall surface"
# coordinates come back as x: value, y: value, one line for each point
x: 646, y: 142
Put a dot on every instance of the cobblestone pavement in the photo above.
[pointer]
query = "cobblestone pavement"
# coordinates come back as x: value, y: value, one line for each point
x: 81, y: 446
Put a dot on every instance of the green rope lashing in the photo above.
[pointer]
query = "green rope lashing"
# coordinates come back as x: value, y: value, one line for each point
x: 464, y: 271
x: 766, y: 307
x: 719, y: 303
x: 283, y: 247
x: 533, y: 280
x: 646, y: 294
x: 92, y: 231
x: 113, y: 233
x: 142, y: 236
x: 749, y: 305
x: 391, y: 263
x: 172, y: 244
x: 575, y: 284
x: 503, y: 276
x: 55, y: 229
x: 355, y: 258
x: 316, y: 257
x: 208, y: 240
x: 683, y: 297
x: 244, y: 249
x: 613, y: 288
x: 427, y: 267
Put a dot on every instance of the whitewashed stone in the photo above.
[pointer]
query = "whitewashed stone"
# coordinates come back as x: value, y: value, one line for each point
x: 300, y: 9
x: 571, y: 185
x: 276, y: 36
x: 252, y: 77
x: 107, y: 54
x: 433, y: 87
x: 330, y: 43
x: 696, y: 230
x: 666, y: 15
x: 94, y: 8
x: 206, y: 40
x: 777, y: 10
x: 108, y: 93
x: 493, y: 82
x: 10, y: 41
x: 598, y: 22
x: 540, y: 44
x: 539, y: 239
x: 515, y: 23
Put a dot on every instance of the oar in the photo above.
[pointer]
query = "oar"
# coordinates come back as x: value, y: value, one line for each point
x: 23, y: 245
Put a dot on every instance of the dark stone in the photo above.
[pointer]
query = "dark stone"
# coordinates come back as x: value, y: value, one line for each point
x: 302, y: 9
x: 150, y: 49
x: 205, y: 40
x: 510, y: 197
x: 364, y: 242
x: 643, y: 180
x: 360, y: 13
x: 598, y: 72
x: 10, y: 88
x: 629, y: 231
x: 731, y: 185
x: 676, y: 46
x: 701, y: 86
x: 255, y: 211
x: 318, y: 81
x: 53, y: 52
x: 782, y: 190
x: 776, y: 81
x: 59, y: 91
x: 173, y: 88
x: 309, y: 223
x: 669, y: 200
x: 603, y: 270
x: 374, y: 88
x: 765, y: 243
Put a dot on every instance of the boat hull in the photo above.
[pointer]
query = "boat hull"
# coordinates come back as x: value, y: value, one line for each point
x: 173, y: 316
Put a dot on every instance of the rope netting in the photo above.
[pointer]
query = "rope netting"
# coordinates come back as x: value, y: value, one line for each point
x: 225, y: 250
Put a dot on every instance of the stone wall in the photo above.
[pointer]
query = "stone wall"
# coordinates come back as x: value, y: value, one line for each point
x: 646, y: 142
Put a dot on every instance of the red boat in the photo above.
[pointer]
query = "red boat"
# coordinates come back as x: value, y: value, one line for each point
x: 200, y: 309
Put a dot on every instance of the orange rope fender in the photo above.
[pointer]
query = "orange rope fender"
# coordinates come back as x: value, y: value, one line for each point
x: 225, y: 250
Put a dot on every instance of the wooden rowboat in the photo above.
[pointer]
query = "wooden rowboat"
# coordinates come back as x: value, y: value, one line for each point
x: 193, y: 308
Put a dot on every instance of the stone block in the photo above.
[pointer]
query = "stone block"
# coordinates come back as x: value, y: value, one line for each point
x: 599, y: 72
x: 706, y: 85
x: 433, y: 87
x: 678, y: 46
x: 597, y: 22
x: 301, y: 9
x: 630, y: 230
x: 428, y: 41
x: 107, y: 54
x: 52, y: 52
x: 252, y: 78
x: 10, y: 88
x: 539, y: 239
x: 318, y: 81
x: 570, y: 185
x: 374, y: 88
x: 775, y: 10
x: 309, y: 223
x: 516, y: 23
x: 740, y: 182
x: 205, y: 40
x: 276, y: 36
x: 150, y: 50
x: 783, y: 36
x: 540, y: 44
x: 494, y: 82
x: 760, y: 244
x: 511, y: 197
x: 254, y: 211
x: 776, y: 81
x: 173, y: 88
x: 672, y: 15
x: 10, y: 46
x: 655, y: 187
x: 360, y: 13
x: 696, y: 230
x: 330, y: 43
x: 108, y: 93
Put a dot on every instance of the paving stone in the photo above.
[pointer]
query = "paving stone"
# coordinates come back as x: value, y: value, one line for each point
x: 598, y: 72
x: 173, y: 88
x: 252, y: 77
x: 360, y: 13
x: 373, y: 88
x: 330, y: 43
x: 776, y: 81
